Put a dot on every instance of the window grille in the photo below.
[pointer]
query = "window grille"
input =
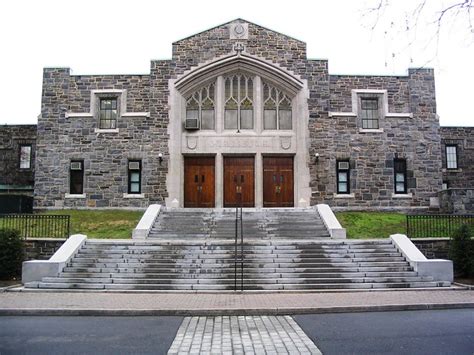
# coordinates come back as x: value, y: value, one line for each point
x: 25, y: 156
x: 369, y: 113
x: 400, y: 171
x: 108, y: 113
x: 134, y: 177
x: 343, y: 177
x: 451, y: 157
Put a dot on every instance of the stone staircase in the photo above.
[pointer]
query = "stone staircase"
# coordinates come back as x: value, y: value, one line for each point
x: 275, y: 265
x: 194, y: 250
x: 264, y: 224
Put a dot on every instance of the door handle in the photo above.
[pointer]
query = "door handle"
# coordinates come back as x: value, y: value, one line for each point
x: 199, y: 188
x: 238, y: 189
x: 277, y: 189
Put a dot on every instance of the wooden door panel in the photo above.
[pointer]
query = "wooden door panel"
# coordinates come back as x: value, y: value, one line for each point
x: 239, y: 181
x: 199, y: 182
x: 278, y: 181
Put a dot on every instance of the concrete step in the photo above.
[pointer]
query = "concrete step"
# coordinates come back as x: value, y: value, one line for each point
x: 249, y: 273
x: 231, y: 280
x: 221, y: 287
x: 172, y: 271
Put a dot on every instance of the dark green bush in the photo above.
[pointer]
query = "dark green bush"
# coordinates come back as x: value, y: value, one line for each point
x: 11, y: 254
x: 461, y: 251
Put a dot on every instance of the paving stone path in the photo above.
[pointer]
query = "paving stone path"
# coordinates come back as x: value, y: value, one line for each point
x: 241, y: 335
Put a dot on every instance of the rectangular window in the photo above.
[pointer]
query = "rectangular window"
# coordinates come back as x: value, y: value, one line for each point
x: 25, y: 156
x: 76, y: 177
x: 451, y: 157
x: 134, y: 176
x: 343, y: 176
x: 400, y: 171
x: 108, y: 113
x: 369, y: 113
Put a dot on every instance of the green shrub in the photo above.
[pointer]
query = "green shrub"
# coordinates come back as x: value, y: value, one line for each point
x: 11, y: 254
x: 461, y: 251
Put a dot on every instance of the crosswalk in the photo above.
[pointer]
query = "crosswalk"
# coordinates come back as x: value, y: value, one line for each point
x: 241, y: 335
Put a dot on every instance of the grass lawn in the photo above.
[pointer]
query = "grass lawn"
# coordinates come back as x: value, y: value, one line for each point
x: 103, y: 224
x: 365, y: 225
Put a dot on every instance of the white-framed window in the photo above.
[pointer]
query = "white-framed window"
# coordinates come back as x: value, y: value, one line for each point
x: 108, y: 112
x: 451, y: 157
x: 369, y: 112
x: 25, y: 156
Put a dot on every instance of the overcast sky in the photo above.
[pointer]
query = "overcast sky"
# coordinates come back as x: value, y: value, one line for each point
x: 121, y: 37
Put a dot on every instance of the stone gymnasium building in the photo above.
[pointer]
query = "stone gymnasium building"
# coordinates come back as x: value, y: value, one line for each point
x: 240, y: 116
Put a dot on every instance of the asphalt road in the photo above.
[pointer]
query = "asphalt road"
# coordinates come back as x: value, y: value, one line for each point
x: 408, y: 332
x: 87, y: 335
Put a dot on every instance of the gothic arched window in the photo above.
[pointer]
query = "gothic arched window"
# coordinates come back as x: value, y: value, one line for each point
x: 276, y: 109
x: 200, y: 107
x: 238, y: 102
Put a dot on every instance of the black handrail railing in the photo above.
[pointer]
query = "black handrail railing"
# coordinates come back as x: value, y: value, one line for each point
x: 239, y: 258
x: 37, y: 226
x: 436, y: 225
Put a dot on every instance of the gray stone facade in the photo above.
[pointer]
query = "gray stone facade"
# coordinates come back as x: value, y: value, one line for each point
x: 13, y: 178
x: 327, y: 112
x: 457, y: 200
x: 463, y: 139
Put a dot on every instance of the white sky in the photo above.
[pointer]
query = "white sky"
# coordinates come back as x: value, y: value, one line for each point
x: 121, y: 37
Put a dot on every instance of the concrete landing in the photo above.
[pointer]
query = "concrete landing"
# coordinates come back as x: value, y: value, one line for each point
x: 194, y: 304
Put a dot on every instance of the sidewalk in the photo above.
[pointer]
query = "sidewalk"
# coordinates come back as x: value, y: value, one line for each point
x: 192, y: 304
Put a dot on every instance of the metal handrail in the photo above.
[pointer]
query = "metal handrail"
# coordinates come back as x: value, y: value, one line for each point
x: 239, y: 258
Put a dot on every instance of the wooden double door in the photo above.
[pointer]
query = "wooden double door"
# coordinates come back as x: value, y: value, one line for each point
x: 239, y: 181
x: 278, y: 182
x: 199, y: 182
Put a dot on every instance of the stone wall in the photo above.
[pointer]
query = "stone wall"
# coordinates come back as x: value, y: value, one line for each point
x: 463, y: 138
x: 11, y: 138
x: 67, y: 127
x: 457, y: 201
x: 433, y: 248
x: 413, y: 135
x: 41, y: 249
x: 262, y: 42
x: 68, y: 130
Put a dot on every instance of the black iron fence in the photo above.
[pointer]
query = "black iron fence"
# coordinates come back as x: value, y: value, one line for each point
x: 37, y: 226
x: 436, y: 225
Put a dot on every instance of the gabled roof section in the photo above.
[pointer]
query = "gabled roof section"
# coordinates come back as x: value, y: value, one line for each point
x: 239, y: 61
x: 232, y: 21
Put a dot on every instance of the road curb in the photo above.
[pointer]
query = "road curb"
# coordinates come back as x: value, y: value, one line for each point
x: 228, y: 312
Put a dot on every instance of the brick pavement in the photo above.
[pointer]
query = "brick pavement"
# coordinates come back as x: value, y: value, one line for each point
x: 242, y: 335
x: 228, y: 303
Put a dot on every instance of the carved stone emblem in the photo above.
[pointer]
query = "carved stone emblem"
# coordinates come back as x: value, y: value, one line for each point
x: 239, y: 47
x: 285, y: 142
x: 191, y: 142
x: 239, y: 31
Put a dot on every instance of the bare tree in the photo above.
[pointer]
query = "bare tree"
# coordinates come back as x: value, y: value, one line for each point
x: 423, y: 23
